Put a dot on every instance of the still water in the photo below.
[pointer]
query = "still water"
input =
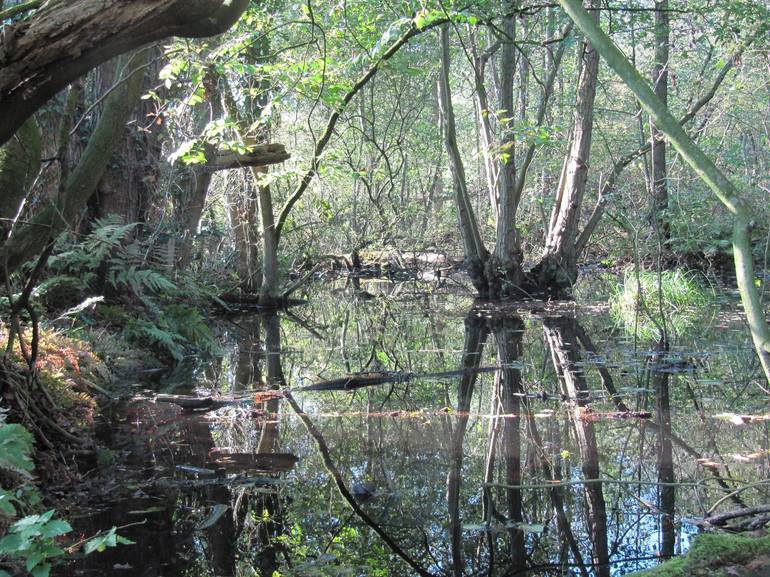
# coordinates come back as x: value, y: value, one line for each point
x: 405, y: 431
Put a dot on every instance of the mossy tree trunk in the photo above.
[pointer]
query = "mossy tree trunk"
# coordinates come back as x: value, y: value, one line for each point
x: 82, y: 181
x: 130, y: 180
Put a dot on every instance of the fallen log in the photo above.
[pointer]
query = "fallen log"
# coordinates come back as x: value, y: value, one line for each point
x: 190, y: 403
x: 262, y: 462
x: 259, y: 155
x: 722, y: 518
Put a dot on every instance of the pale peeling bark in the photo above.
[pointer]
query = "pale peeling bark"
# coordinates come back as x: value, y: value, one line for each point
x: 61, y: 42
x: 557, y: 270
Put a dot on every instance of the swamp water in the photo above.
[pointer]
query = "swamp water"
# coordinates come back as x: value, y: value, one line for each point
x: 523, y: 439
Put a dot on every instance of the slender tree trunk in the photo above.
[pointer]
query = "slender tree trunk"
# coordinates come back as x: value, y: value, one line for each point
x: 198, y: 176
x: 484, y: 115
x: 660, y: 88
x: 504, y: 272
x: 244, y: 218
x: 557, y: 271
x: 476, y: 254
x: 268, y: 294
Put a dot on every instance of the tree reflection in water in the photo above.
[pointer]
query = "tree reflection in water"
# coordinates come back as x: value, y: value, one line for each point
x: 448, y: 467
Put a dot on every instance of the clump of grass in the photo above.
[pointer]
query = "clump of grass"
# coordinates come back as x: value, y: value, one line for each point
x: 647, y: 300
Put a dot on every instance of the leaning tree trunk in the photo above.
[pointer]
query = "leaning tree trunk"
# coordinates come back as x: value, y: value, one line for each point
x: 703, y: 166
x: 64, y: 40
x: 476, y: 254
x: 557, y: 270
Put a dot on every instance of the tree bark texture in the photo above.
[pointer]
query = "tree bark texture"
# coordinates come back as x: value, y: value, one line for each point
x: 660, y: 88
x: 84, y: 178
x: 557, y: 271
x: 41, y: 55
x: 476, y: 254
x: 130, y: 180
x: 505, y: 265
x: 19, y: 165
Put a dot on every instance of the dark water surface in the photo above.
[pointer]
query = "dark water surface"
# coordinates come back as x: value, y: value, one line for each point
x: 514, y: 440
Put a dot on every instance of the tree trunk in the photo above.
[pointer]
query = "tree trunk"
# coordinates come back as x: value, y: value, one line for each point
x: 660, y: 88
x: 703, y: 166
x: 557, y: 270
x: 268, y: 293
x: 63, y: 41
x: 504, y: 272
x: 476, y: 254
x: 129, y: 182
x: 19, y: 165
x: 244, y: 218
x: 197, y: 179
x: 82, y: 181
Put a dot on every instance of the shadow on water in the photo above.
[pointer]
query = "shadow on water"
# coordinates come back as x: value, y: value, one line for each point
x: 492, y: 442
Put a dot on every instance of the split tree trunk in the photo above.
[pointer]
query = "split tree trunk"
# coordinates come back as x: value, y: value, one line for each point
x: 476, y: 255
x: 557, y: 270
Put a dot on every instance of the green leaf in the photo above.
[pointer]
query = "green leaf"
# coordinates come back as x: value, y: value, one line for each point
x: 42, y: 570
x: 55, y: 528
